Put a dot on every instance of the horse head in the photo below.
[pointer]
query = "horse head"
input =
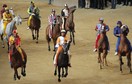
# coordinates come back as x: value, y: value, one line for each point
x: 66, y: 46
x: 124, y: 30
x: 18, y: 20
x: 58, y: 20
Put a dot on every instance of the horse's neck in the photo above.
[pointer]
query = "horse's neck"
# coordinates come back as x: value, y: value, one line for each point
x: 71, y: 18
x: 123, y: 38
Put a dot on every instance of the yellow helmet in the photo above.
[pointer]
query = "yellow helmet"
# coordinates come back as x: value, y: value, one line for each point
x: 6, y: 8
x: 11, y: 39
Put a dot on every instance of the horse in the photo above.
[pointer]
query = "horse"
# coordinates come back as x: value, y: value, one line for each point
x: 35, y: 25
x: 62, y: 62
x: 69, y: 24
x: 124, y: 48
x: 9, y: 28
x: 55, y: 32
x: 103, y: 46
x: 16, y: 62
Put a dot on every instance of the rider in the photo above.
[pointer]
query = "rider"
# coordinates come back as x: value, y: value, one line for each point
x: 15, y: 39
x: 32, y: 10
x: 117, y: 32
x: 64, y: 14
x: 98, y: 29
x: 7, y: 18
x: 3, y: 10
x: 59, y: 45
x: 52, y: 21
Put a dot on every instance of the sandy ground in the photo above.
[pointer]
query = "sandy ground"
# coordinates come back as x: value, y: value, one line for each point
x: 85, y: 69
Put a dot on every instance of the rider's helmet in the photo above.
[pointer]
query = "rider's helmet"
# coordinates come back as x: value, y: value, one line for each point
x: 15, y: 31
x: 53, y: 10
x: 6, y: 9
x: 63, y: 31
x: 4, y: 5
x: 101, y: 19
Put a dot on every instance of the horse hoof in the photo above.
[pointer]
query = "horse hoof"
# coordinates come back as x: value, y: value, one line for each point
x: 14, y: 78
x: 37, y: 42
x: 54, y: 50
x: 55, y: 74
x: 59, y: 80
x: 49, y: 49
x: 19, y: 77
x: 65, y: 75
x: 24, y: 74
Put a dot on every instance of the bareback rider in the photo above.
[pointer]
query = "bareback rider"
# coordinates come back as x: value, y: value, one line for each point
x: 117, y: 32
x: 61, y: 40
x: 32, y: 10
x: 52, y: 22
x: 98, y: 28
x: 15, y: 39
x: 7, y: 18
x: 3, y: 10
x: 64, y: 14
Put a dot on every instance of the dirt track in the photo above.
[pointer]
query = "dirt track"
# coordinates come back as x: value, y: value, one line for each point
x: 85, y: 69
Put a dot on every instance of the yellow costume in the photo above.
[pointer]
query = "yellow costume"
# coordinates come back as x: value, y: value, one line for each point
x: 7, y: 17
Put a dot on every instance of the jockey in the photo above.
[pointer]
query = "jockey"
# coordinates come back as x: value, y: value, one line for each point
x: 98, y: 29
x: 117, y: 32
x: 32, y: 10
x: 3, y: 10
x: 17, y: 42
x: 59, y: 46
x: 64, y: 14
x: 52, y: 21
x: 7, y: 18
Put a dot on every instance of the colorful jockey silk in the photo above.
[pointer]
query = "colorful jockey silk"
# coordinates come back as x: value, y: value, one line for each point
x: 117, y: 30
x: 7, y: 17
x: 61, y: 40
x: 52, y: 19
x: 100, y: 27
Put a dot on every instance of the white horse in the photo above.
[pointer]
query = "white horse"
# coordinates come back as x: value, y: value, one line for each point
x: 9, y: 28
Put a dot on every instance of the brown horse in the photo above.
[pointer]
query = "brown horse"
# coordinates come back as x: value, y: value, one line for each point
x: 35, y: 25
x: 103, y: 46
x: 69, y: 24
x: 16, y: 61
x: 124, y: 47
x: 55, y: 32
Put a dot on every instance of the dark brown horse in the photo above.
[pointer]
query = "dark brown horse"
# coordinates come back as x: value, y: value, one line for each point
x: 16, y: 61
x: 103, y: 46
x: 55, y: 32
x: 69, y: 24
x: 35, y: 26
x: 124, y: 48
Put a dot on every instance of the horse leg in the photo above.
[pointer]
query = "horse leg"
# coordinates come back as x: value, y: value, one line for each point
x: 54, y: 41
x: 104, y: 58
x: 129, y: 62
x: 62, y: 72
x: 32, y: 34
x: 8, y: 47
x: 121, y: 63
x: 59, y: 71
x: 16, y: 74
x: 99, y: 60
x: 73, y: 37
x: 55, y: 72
x: 3, y: 46
x: 66, y: 68
x: 37, y: 32
x: 23, y: 72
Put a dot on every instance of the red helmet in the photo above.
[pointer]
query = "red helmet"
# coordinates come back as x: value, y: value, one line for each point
x: 15, y: 31
x: 4, y: 5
